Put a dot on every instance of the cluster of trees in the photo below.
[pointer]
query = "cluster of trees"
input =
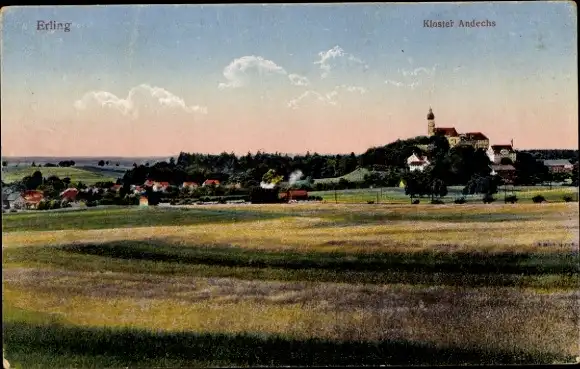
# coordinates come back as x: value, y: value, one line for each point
x: 453, y: 166
x: 571, y: 155
x: 102, y: 163
x: 63, y: 163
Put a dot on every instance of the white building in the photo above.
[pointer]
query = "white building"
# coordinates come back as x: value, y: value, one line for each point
x: 498, y: 152
x: 416, y: 162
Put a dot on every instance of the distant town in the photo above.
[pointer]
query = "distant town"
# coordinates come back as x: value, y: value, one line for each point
x: 422, y: 166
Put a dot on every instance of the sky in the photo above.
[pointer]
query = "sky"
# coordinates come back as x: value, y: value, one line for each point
x: 156, y: 80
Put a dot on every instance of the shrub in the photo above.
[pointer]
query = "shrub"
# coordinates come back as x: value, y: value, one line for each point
x: 43, y: 205
x: 370, y: 202
x: 538, y: 199
x: 488, y: 199
x: 437, y: 202
x: 92, y: 203
x: 568, y: 198
x: 13, y: 210
x: 511, y: 199
x: 221, y: 200
x: 460, y: 200
x: 415, y: 202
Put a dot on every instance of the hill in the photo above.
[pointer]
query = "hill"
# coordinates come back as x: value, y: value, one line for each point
x: 13, y: 174
x: 358, y: 175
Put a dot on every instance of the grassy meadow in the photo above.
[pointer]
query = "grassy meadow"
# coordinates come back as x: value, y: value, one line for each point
x: 292, y: 284
x: 86, y: 176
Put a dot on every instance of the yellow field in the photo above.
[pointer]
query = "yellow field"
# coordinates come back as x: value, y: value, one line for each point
x: 207, y: 278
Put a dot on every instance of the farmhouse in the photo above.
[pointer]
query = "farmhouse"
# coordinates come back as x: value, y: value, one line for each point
x: 69, y: 194
x: 559, y: 166
x: 211, y: 182
x: 505, y: 171
x: 137, y: 189
x: 476, y: 139
x: 160, y: 186
x: 416, y: 162
x: 189, y: 185
x: 32, y: 198
x: 497, y: 153
x: 116, y: 188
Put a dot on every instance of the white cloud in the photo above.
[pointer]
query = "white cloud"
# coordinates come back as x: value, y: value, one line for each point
x: 417, y: 71
x: 298, y: 80
x: 329, y: 98
x: 337, y: 57
x: 311, y: 96
x: 138, y: 97
x: 240, y: 70
x: 412, y: 78
x: 358, y: 89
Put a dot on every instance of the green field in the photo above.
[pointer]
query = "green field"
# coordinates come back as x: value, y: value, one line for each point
x: 291, y: 284
x: 396, y: 195
x: 13, y: 174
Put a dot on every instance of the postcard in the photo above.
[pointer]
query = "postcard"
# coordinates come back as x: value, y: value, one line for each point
x: 290, y: 185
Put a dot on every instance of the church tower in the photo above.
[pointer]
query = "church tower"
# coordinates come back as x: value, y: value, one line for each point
x: 430, y: 123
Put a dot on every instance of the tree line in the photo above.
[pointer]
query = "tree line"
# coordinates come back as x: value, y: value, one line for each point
x: 453, y: 166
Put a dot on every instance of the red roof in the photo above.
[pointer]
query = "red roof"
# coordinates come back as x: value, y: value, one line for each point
x: 447, y: 131
x: 116, y: 187
x: 477, y: 136
x: 185, y: 184
x: 33, y: 196
x: 163, y: 184
x: 211, y: 181
x: 69, y: 192
x: 149, y: 182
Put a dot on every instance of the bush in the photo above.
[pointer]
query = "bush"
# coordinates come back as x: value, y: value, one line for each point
x: 568, y: 198
x: 222, y: 200
x: 538, y: 199
x: 43, y: 205
x: 13, y: 210
x: 511, y: 199
x: 415, y: 202
x: 92, y: 203
x: 370, y: 202
x: 437, y: 202
x: 488, y: 199
x: 460, y: 200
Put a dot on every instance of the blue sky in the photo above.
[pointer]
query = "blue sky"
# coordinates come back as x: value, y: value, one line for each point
x: 529, y: 57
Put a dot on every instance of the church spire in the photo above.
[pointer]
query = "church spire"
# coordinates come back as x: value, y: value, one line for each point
x: 430, y: 116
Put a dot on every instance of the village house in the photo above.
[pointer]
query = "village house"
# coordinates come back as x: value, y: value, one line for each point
x: 149, y: 183
x: 116, y: 188
x: 416, y: 162
x: 498, y: 152
x: 189, y: 185
x: 506, y: 172
x: 70, y: 194
x: 32, y: 198
x: 559, y: 166
x: 211, y: 182
x: 137, y: 190
x: 160, y: 186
